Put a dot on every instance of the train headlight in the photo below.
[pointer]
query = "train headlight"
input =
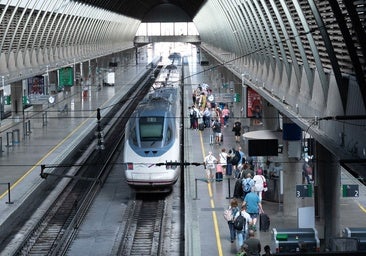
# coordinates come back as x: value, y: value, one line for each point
x: 129, y: 166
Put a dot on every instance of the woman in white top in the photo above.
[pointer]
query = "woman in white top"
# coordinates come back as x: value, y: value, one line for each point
x: 259, y: 180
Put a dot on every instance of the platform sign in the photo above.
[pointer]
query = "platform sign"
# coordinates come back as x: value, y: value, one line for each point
x: 350, y: 190
x: 66, y: 77
x: 304, y: 190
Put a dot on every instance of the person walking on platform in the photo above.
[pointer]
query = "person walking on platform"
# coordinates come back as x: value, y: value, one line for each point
x: 242, y: 156
x: 195, y: 117
x: 229, y: 215
x: 191, y: 117
x: 259, y: 181
x: 206, y: 117
x: 237, y: 131
x: 216, y: 128
x: 252, y: 245
x: 210, y: 161
x: 225, y: 115
x: 247, y: 184
x: 241, y: 235
x: 223, y: 161
x: 254, y: 207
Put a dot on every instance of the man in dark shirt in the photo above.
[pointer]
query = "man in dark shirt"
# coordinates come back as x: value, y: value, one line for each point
x: 252, y: 245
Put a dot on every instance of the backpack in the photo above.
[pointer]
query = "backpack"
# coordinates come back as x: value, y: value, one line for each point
x: 194, y: 114
x: 228, y: 214
x: 239, y: 222
x: 247, y: 185
x: 236, y: 158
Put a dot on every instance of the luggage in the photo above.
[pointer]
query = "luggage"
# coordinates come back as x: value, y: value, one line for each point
x: 218, y: 176
x: 264, y: 222
x: 201, y: 126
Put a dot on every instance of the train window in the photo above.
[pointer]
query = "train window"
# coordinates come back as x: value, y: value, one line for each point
x: 151, y: 128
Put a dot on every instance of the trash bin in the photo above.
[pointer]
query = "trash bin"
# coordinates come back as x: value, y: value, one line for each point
x: 296, y: 240
x: 359, y: 233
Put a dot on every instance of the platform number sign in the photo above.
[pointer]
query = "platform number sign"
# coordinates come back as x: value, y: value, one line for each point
x: 304, y: 190
x: 350, y: 190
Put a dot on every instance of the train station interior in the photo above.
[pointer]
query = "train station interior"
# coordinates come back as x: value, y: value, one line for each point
x: 292, y: 72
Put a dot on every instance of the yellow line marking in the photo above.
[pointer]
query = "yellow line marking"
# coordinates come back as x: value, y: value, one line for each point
x: 43, y: 158
x: 214, y: 217
x: 362, y: 208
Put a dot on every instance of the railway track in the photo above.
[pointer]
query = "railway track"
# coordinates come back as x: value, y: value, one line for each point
x: 148, y: 228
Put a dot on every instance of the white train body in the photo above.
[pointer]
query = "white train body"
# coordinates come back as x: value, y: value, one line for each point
x: 152, y: 138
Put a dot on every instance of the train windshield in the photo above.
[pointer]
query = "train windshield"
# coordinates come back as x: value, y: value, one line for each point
x: 151, y: 128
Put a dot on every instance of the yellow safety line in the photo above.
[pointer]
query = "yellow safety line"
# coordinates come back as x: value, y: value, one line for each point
x: 40, y: 161
x: 362, y: 208
x: 214, y: 217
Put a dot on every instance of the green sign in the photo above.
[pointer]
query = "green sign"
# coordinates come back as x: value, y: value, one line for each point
x: 25, y: 100
x: 236, y: 97
x: 7, y: 100
x: 304, y: 190
x: 65, y: 77
x: 350, y: 190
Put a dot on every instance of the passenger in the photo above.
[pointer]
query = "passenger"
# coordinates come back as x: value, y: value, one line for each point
x: 225, y: 115
x: 233, y: 208
x: 253, y: 245
x: 241, y: 235
x: 196, y: 115
x: 247, y: 184
x: 216, y: 128
x: 259, y: 181
x: 246, y: 170
x: 254, y: 207
x: 223, y: 161
x: 229, y: 166
x: 202, y: 101
x: 210, y: 161
x: 237, y: 131
x: 191, y: 117
x: 267, y: 251
x: 206, y: 117
x: 242, y: 156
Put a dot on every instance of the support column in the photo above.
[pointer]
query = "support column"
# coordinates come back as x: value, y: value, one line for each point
x: 292, y: 175
x: 16, y: 89
x: 328, y: 175
x: 292, y: 168
x: 270, y: 117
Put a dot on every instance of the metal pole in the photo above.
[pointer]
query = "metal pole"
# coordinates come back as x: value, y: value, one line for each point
x: 9, y: 202
x: 228, y: 185
x: 195, y: 185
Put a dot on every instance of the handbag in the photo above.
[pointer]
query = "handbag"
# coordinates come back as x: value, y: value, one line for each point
x: 265, y: 186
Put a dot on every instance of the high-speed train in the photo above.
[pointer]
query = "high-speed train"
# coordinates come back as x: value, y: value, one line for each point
x: 152, y: 136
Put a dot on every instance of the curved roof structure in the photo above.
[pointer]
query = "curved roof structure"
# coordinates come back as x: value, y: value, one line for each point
x: 140, y: 9
x: 304, y: 57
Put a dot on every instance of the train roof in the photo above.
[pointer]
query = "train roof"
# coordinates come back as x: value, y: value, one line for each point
x: 160, y: 100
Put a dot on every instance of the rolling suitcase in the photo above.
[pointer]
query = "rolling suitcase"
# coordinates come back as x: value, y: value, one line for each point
x: 201, y: 126
x: 264, y: 222
x: 218, y: 176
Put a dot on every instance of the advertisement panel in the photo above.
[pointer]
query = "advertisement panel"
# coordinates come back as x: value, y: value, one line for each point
x: 254, y: 105
x: 36, y: 85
